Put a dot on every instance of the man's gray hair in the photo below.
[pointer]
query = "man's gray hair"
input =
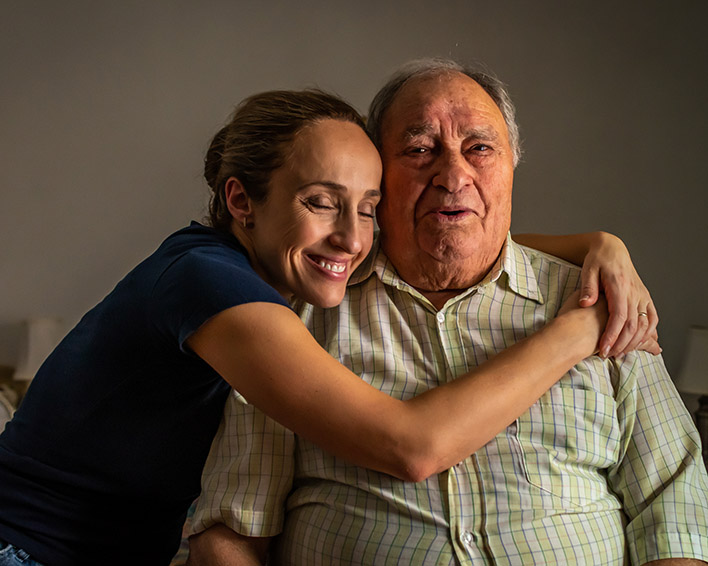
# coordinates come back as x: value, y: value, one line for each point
x: 433, y: 66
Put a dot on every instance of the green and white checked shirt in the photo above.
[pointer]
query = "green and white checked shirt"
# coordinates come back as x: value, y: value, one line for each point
x: 604, y: 469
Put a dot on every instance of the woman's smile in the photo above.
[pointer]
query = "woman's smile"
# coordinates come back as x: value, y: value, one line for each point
x: 317, y: 224
x: 330, y: 266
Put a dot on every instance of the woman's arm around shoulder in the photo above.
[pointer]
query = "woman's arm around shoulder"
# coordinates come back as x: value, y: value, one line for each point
x: 265, y: 352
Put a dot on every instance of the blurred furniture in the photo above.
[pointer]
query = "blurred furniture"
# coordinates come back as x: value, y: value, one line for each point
x: 693, y: 379
x: 8, y: 396
x: 41, y: 336
x: 6, y: 410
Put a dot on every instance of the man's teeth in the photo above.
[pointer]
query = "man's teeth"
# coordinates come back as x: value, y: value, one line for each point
x: 337, y: 268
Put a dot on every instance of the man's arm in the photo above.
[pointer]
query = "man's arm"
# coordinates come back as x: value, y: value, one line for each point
x: 245, y: 482
x: 220, y: 546
x: 660, y: 476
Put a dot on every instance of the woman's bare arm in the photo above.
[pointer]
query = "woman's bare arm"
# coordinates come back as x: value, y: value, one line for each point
x: 607, y: 267
x: 265, y: 352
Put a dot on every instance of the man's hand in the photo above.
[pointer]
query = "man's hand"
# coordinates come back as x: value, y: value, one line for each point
x: 220, y: 546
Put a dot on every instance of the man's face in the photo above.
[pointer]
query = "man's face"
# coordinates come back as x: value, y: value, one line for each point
x: 448, y: 174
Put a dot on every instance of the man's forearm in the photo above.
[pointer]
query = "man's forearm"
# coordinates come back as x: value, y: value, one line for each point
x: 221, y: 546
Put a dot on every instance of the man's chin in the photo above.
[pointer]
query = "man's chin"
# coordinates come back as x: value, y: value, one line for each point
x: 446, y: 252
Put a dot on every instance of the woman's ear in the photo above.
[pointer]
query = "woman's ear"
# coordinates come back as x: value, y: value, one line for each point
x: 237, y: 201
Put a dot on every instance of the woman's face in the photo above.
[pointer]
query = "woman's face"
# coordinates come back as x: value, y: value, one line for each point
x: 316, y: 225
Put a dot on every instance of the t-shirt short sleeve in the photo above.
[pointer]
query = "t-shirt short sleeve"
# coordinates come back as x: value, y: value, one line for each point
x: 202, y: 283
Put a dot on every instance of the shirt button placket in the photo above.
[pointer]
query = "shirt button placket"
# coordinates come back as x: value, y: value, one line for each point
x: 445, y: 346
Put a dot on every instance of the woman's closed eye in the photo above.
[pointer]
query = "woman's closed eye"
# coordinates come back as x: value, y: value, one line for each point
x: 318, y: 203
x: 367, y: 212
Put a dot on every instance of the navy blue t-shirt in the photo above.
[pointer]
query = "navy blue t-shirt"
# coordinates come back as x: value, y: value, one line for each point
x: 104, y: 456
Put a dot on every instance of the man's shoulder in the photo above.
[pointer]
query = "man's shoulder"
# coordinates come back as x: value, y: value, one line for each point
x: 539, y: 259
x: 554, y: 276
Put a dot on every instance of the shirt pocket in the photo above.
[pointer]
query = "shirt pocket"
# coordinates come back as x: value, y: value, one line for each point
x: 567, y: 441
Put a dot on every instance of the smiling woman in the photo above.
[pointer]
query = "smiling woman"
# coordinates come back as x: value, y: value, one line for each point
x: 317, y: 224
x: 144, y: 376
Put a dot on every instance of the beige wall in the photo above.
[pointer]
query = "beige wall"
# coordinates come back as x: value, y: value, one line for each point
x: 107, y: 108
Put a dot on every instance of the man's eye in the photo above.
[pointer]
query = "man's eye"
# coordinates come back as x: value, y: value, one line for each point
x: 418, y: 150
x: 367, y: 213
x: 480, y: 147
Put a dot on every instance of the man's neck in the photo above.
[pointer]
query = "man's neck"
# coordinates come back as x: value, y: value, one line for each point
x: 440, y: 281
x: 439, y: 298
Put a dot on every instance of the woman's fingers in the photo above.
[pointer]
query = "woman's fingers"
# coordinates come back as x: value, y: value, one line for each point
x: 633, y: 334
x: 645, y: 334
x: 589, y: 286
x: 635, y: 328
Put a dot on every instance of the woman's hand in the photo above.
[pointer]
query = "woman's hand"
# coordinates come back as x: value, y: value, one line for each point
x: 608, y: 269
x: 592, y: 318
x: 633, y: 318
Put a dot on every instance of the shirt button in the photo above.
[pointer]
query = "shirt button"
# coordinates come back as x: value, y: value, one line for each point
x: 467, y: 537
x: 440, y: 317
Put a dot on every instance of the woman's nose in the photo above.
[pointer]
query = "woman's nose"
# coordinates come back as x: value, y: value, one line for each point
x: 347, y: 234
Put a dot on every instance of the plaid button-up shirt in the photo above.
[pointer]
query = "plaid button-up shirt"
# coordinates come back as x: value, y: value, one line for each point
x: 604, y: 468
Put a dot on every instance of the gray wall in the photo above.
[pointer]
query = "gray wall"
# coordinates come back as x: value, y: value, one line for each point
x: 107, y: 108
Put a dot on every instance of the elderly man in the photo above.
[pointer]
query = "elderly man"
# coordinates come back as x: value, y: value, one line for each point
x: 604, y: 469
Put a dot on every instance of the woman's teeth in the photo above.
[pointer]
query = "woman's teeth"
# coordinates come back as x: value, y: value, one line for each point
x: 335, y: 267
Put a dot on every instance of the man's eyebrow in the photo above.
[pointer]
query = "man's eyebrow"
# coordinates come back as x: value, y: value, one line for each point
x: 482, y: 133
x: 417, y: 130
x: 476, y: 133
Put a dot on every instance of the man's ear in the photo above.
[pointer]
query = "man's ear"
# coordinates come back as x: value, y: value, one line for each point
x: 237, y: 201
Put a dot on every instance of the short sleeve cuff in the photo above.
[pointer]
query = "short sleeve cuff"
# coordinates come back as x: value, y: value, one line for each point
x: 244, y: 522
x: 658, y: 546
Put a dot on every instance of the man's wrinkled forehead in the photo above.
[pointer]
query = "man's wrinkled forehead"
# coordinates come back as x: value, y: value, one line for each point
x: 424, y: 105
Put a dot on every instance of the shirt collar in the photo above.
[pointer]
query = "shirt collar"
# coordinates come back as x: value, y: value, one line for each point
x: 512, y: 261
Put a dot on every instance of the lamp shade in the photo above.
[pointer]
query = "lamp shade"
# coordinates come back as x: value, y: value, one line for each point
x: 694, y: 373
x: 41, y: 336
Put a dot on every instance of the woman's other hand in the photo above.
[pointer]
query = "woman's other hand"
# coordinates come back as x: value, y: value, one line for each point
x: 633, y: 318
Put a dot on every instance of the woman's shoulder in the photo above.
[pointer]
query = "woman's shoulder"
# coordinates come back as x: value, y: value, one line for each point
x: 202, y: 249
x: 197, y: 238
x: 213, y: 262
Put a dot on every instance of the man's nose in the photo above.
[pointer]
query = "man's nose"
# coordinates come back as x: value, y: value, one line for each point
x: 454, y: 173
x: 346, y: 234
